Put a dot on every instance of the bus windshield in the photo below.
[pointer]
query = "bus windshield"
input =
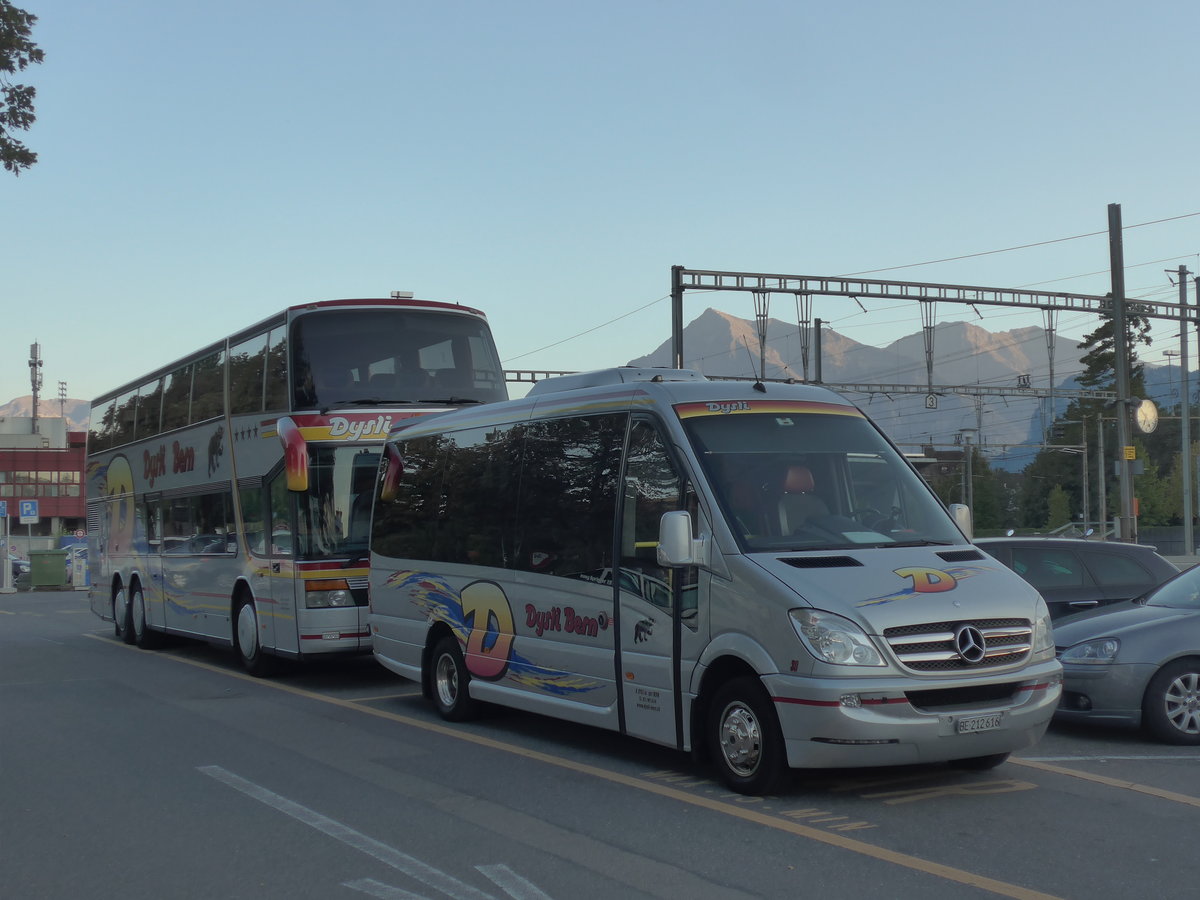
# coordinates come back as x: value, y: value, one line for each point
x: 335, y: 514
x: 805, y: 481
x: 356, y: 357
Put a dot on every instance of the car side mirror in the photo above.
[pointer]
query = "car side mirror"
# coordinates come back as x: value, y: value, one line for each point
x: 962, y: 518
x: 676, y: 546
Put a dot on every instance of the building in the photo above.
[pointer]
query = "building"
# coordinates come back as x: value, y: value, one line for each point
x: 47, y: 465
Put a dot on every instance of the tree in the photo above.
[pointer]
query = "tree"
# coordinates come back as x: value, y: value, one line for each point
x: 17, y: 52
x: 1053, y: 466
x: 1058, y: 508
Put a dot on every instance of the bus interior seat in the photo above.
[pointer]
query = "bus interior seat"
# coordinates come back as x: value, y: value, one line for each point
x: 799, y: 501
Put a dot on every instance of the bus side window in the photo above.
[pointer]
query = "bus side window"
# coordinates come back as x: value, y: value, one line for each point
x: 280, y: 541
x: 653, y: 486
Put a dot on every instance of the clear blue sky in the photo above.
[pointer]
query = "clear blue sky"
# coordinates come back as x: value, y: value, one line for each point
x: 203, y: 164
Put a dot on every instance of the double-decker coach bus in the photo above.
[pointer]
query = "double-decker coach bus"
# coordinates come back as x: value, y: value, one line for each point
x: 229, y: 493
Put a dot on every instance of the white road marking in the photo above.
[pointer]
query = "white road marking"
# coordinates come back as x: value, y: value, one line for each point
x: 409, y: 865
x: 513, y: 884
x: 382, y: 891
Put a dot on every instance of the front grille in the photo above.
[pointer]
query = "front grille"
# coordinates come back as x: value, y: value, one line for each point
x: 957, y: 698
x: 930, y: 647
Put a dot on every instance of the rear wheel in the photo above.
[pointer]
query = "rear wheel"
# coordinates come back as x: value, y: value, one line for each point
x: 450, y: 681
x: 745, y: 737
x: 122, y: 623
x: 245, y: 640
x: 142, y: 635
x: 1171, y: 707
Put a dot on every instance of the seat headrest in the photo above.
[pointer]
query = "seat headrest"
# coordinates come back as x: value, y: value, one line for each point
x: 799, y: 480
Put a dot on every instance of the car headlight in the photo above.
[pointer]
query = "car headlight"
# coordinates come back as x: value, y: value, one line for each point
x: 1043, y: 635
x: 1101, y: 651
x: 833, y: 639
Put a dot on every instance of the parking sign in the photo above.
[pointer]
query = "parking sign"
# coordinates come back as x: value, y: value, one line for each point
x: 29, y: 512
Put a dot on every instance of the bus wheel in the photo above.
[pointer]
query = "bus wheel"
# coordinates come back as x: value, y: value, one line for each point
x: 450, y: 680
x: 122, y: 626
x: 245, y: 640
x: 746, y: 741
x: 142, y: 635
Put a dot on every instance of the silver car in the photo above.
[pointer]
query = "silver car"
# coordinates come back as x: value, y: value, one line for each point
x: 1137, y: 662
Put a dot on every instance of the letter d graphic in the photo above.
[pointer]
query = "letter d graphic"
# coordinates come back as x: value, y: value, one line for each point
x: 486, y: 610
x: 929, y: 581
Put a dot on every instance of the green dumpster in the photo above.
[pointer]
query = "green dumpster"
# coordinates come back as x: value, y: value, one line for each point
x: 47, y: 568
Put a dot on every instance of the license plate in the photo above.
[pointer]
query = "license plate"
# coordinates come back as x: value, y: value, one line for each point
x: 979, y: 723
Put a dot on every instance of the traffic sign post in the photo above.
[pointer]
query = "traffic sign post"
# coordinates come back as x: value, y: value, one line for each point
x: 6, y: 578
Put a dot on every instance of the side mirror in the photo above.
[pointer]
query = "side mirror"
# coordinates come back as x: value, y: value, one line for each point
x: 962, y: 518
x: 676, y: 546
x: 295, y: 454
x: 392, y: 469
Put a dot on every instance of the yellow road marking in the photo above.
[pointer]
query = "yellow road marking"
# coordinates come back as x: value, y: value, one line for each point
x: 949, y: 873
x: 1161, y: 793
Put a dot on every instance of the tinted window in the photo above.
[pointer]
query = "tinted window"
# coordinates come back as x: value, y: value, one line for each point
x: 1116, y: 568
x: 246, y: 362
x: 569, y: 477
x: 208, y: 387
x: 177, y: 399
x: 1047, y: 568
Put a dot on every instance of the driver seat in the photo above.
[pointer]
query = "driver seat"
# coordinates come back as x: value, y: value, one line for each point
x: 799, y: 501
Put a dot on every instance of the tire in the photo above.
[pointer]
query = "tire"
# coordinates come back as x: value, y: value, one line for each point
x: 745, y: 739
x: 450, y: 680
x: 122, y: 622
x: 980, y: 763
x: 1171, y: 706
x: 245, y: 640
x: 142, y: 635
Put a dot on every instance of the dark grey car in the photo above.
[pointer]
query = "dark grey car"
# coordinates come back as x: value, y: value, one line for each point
x: 1074, y: 575
x: 1137, y: 663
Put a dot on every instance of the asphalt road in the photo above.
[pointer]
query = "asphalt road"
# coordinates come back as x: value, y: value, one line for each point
x: 170, y: 774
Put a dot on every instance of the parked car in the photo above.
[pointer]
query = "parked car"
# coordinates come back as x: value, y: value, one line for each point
x: 1074, y: 575
x: 1137, y: 663
x: 19, y: 567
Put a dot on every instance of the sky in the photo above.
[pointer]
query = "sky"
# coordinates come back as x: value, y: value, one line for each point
x: 205, y: 164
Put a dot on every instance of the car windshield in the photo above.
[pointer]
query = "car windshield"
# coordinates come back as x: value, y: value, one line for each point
x: 814, y: 481
x: 1181, y: 592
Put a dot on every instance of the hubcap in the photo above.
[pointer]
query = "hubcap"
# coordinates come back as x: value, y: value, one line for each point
x: 247, y: 627
x: 120, y: 607
x: 139, y: 613
x: 741, y: 739
x: 446, y: 680
x: 1183, y: 703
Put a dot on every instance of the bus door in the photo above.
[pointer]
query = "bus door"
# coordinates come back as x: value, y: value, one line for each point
x: 275, y: 584
x: 654, y: 601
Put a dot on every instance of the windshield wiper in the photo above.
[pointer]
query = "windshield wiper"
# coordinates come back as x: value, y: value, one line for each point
x: 453, y: 401
x: 924, y: 542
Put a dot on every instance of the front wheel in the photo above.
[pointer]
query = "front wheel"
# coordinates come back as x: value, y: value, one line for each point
x: 745, y: 737
x: 1171, y: 707
x: 245, y: 640
x: 450, y: 682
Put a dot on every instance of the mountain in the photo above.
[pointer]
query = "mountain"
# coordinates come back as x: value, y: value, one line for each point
x: 963, y: 354
x: 76, y: 412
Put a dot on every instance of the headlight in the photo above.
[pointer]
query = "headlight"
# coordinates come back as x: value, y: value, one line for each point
x: 833, y: 639
x: 1043, y: 634
x: 1099, y: 652
x: 328, y: 592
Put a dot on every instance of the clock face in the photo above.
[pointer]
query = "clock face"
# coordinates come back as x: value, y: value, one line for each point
x: 1147, y: 416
